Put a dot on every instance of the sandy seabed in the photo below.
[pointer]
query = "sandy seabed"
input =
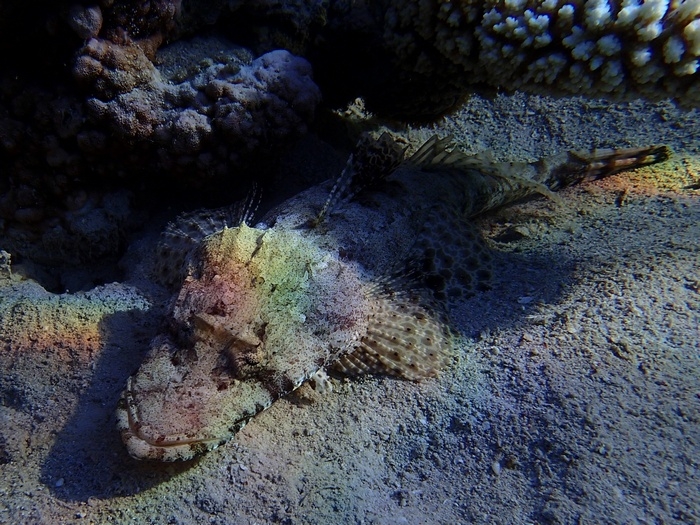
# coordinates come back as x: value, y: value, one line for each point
x: 575, y: 398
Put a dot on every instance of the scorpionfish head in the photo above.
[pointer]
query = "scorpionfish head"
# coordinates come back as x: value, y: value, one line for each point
x: 261, y: 312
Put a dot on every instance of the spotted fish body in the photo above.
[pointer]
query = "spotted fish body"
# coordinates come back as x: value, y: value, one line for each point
x: 357, y: 283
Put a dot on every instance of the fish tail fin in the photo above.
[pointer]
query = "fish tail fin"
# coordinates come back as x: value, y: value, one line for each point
x: 574, y: 167
x: 489, y: 185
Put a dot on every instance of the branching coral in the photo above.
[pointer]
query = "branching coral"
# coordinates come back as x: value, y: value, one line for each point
x: 596, y: 47
x: 436, y: 51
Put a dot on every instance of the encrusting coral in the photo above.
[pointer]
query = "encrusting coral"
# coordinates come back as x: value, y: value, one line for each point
x: 249, y: 105
x: 134, y: 116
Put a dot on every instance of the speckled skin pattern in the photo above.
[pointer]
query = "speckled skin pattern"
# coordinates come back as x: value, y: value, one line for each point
x: 358, y: 286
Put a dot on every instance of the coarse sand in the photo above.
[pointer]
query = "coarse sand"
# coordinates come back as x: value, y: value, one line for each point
x: 575, y: 398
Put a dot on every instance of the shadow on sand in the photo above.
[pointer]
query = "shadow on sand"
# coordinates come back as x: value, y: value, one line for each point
x: 87, y: 459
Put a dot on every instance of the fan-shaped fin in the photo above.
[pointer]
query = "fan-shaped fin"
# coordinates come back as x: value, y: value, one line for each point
x: 189, y: 229
x: 404, y: 339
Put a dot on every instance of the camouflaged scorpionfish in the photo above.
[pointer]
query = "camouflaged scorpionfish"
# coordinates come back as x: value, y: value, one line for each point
x: 356, y: 282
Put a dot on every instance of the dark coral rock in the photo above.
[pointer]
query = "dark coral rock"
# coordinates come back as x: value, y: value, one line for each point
x: 135, y: 116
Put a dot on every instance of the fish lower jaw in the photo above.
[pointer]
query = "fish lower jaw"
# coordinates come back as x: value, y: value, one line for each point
x: 142, y: 446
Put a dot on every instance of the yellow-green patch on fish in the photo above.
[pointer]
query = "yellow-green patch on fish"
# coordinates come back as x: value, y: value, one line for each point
x: 355, y: 277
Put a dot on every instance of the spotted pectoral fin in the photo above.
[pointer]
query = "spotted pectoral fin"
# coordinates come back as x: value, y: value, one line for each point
x: 404, y: 338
